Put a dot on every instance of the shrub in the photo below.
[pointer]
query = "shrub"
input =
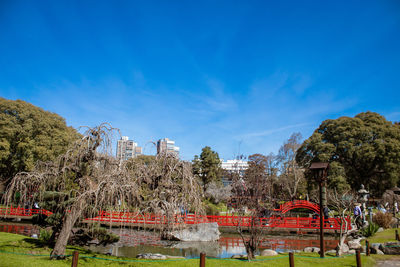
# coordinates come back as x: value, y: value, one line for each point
x: 211, y: 209
x: 382, y: 219
x: 45, y: 235
x: 105, y: 237
x: 370, y: 230
x: 84, y: 236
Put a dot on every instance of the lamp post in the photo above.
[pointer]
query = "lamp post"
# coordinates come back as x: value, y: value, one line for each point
x: 320, y: 173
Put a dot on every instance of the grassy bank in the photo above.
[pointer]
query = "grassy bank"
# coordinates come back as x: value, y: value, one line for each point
x: 387, y: 235
x: 17, y: 250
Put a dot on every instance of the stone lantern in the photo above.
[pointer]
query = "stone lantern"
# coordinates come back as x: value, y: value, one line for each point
x: 363, y: 196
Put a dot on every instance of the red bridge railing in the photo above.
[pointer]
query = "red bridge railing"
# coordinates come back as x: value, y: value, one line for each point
x: 19, y: 211
x: 245, y: 221
x: 228, y: 220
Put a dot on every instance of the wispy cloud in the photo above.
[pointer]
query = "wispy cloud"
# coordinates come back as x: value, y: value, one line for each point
x: 272, y: 131
x: 269, y: 86
x: 219, y: 100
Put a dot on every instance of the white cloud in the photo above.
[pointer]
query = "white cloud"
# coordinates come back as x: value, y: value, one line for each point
x: 272, y: 131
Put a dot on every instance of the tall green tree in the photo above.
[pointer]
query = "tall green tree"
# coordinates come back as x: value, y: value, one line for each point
x: 362, y: 150
x: 29, y: 134
x: 208, y: 166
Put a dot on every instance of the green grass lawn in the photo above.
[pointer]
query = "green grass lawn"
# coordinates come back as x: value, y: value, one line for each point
x: 18, y: 250
x: 387, y: 235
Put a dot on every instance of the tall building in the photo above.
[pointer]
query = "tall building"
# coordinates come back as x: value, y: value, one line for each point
x: 127, y: 149
x: 166, y: 145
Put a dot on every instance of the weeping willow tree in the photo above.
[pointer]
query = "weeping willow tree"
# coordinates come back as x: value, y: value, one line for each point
x: 167, y: 186
x: 87, y: 178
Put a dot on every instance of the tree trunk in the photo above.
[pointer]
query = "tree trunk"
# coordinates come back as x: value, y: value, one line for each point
x: 339, y: 251
x: 69, y: 222
x: 343, y: 236
x: 250, y: 254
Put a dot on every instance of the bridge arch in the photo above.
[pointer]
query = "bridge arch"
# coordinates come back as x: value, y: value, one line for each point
x: 296, y: 204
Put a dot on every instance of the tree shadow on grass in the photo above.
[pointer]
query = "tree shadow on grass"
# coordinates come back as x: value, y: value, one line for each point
x: 81, y: 250
x: 37, y: 243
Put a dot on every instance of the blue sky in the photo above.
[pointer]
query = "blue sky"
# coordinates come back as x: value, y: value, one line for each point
x: 239, y: 76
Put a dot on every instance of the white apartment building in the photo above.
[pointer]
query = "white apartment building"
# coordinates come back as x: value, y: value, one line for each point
x: 234, y: 165
x: 127, y: 149
x: 166, y: 145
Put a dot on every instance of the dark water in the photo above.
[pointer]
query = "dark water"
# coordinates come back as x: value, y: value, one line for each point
x: 19, y: 228
x: 133, y: 242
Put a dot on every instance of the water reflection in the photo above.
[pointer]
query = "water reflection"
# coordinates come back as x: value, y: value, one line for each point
x: 20, y: 228
x: 133, y: 242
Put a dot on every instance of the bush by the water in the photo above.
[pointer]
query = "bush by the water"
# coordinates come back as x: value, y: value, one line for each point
x: 83, y: 237
x: 382, y: 219
x: 45, y: 235
x: 370, y: 230
x: 214, y: 209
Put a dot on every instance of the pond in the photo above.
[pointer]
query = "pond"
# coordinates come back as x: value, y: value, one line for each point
x: 133, y: 242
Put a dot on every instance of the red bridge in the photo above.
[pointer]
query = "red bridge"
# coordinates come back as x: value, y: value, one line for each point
x: 245, y: 221
x: 22, y: 212
x: 227, y: 220
x: 298, y: 204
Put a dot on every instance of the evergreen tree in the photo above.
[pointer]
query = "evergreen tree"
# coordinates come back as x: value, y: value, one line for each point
x: 29, y: 134
x: 208, y: 167
x: 362, y: 150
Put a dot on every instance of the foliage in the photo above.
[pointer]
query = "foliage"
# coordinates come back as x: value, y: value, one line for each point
x: 370, y: 230
x: 45, y: 236
x: 83, y: 236
x: 29, y: 134
x: 211, y: 209
x: 88, y: 178
x: 208, y: 166
x: 214, y: 209
x: 57, y: 202
x: 382, y: 219
x: 365, y: 150
x: 337, y: 177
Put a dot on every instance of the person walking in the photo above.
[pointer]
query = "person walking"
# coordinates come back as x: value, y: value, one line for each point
x: 358, y: 216
x: 326, y: 212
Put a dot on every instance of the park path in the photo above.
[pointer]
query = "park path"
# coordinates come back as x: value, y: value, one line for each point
x: 388, y: 263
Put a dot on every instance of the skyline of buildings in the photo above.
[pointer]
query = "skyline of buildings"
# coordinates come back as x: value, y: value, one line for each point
x: 127, y: 149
